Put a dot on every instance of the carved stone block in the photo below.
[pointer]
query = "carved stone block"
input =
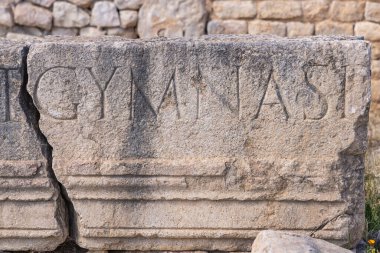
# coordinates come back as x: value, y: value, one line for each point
x: 33, y: 213
x: 200, y: 144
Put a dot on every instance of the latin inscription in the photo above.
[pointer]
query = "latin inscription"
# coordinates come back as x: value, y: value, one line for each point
x: 310, y: 98
x: 5, y: 95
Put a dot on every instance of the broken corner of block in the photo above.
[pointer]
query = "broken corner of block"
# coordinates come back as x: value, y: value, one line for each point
x: 33, y: 213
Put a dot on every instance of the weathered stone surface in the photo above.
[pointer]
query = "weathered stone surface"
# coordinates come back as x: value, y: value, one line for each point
x: 33, y: 215
x: 183, y: 18
x: 269, y: 241
x: 375, y: 50
x: 267, y: 27
x: 315, y: 10
x: 375, y: 67
x: 91, y: 32
x: 21, y: 36
x: 347, y: 11
x: 200, y: 144
x: 234, y: 9
x: 81, y: 3
x: 334, y: 28
x: 372, y: 11
x: 104, y: 14
x: 296, y: 29
x: 69, y: 15
x: 6, y: 18
x: 128, y: 4
x: 31, y: 15
x: 127, y: 33
x: 64, y: 31
x: 227, y: 27
x: 128, y: 18
x: 272, y: 9
x: 44, y: 3
x: 27, y: 30
x: 371, y: 31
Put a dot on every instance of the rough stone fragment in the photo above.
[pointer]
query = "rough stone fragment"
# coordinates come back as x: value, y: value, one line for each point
x: 128, y: 18
x: 315, y: 10
x: 272, y: 9
x: 104, y: 14
x: 269, y: 241
x: 347, y: 11
x: 31, y: 15
x: 3, y: 31
x: 21, y: 36
x: 334, y: 28
x: 33, y: 214
x: 375, y: 91
x: 371, y: 31
x: 296, y: 29
x: 6, y: 17
x: 91, y: 32
x: 375, y: 50
x: 267, y: 27
x: 234, y: 9
x: 127, y: 33
x: 184, y: 18
x: 128, y: 4
x: 27, y: 30
x: 375, y: 67
x: 372, y: 11
x: 175, y: 144
x: 58, y: 31
x: 227, y: 27
x: 69, y: 15
x: 82, y: 3
x: 44, y: 3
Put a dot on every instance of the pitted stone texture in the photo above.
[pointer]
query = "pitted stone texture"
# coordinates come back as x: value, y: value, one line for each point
x: 258, y: 27
x: 128, y: 4
x: 44, y: 3
x: 315, y: 10
x: 33, y: 215
x: 182, y: 18
x: 227, y: 27
x: 174, y: 144
x: 273, y: 9
x: 30, y: 15
x: 370, y: 30
x: 69, y: 15
x: 347, y: 11
x: 328, y: 27
x: 234, y: 9
x: 105, y: 14
x: 297, y: 29
x: 6, y: 18
x: 275, y: 241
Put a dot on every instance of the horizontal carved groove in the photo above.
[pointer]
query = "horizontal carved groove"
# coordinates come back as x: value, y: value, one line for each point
x: 11, y: 168
x: 156, y: 167
x: 195, y: 233
x: 120, y: 193
x: 28, y: 233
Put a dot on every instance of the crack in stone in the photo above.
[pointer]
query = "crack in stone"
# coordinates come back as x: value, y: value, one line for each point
x: 325, y: 223
x: 33, y: 117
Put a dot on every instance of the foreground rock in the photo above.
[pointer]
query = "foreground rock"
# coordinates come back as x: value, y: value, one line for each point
x: 33, y: 214
x: 200, y: 144
x: 274, y: 242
